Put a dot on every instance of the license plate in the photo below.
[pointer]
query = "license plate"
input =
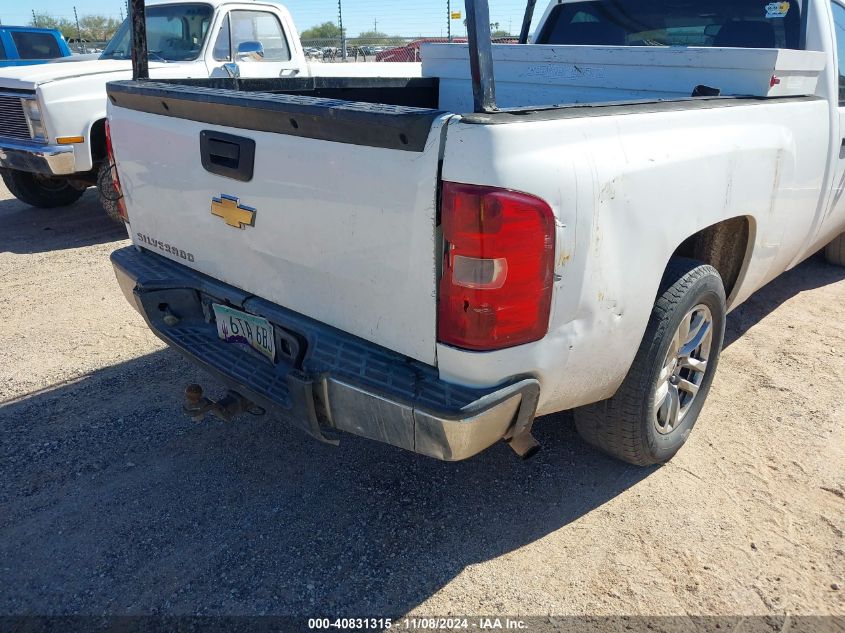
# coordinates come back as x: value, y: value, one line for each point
x: 240, y: 328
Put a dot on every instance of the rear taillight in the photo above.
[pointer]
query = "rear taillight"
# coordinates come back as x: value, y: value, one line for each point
x: 115, y: 179
x: 498, y: 269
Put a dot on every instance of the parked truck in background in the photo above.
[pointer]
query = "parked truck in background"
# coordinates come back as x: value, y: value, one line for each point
x: 52, y: 137
x: 28, y: 45
x: 374, y: 261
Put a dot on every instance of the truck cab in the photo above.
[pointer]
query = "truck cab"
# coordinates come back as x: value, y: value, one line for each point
x: 219, y: 39
x: 27, y: 46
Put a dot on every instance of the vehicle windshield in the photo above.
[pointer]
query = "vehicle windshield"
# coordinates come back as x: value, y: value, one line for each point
x: 718, y: 23
x: 175, y: 33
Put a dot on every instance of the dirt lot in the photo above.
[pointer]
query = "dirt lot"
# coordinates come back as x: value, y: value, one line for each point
x: 111, y: 502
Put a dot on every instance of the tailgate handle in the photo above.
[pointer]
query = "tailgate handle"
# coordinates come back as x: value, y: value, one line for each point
x: 227, y: 155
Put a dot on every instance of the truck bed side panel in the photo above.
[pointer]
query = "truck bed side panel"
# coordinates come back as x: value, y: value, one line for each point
x: 628, y: 184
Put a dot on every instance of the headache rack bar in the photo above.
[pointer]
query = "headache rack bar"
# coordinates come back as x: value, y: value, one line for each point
x: 140, y: 53
x: 478, y: 31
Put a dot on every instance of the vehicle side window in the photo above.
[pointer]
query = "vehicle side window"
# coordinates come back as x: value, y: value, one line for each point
x: 36, y: 45
x: 839, y: 21
x: 223, y: 45
x: 720, y: 23
x: 261, y: 27
x: 2, y: 49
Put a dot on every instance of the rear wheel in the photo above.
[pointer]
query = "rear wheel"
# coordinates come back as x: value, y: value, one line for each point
x: 41, y: 191
x: 835, y: 251
x: 109, y: 196
x: 651, y: 416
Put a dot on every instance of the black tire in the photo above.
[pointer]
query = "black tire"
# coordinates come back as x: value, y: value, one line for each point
x: 835, y: 251
x: 626, y: 426
x: 40, y: 191
x: 108, y: 195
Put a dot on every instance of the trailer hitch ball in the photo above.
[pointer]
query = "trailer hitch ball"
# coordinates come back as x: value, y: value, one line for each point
x: 197, y: 406
x: 193, y: 393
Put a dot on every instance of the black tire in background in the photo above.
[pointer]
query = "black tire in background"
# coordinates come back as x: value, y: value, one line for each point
x: 834, y: 253
x: 628, y: 425
x: 40, y: 191
x: 108, y: 195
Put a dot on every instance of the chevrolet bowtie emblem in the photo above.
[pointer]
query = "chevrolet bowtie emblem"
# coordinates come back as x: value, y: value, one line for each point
x: 235, y: 214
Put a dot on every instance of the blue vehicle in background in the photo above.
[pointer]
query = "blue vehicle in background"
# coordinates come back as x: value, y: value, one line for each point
x: 27, y: 45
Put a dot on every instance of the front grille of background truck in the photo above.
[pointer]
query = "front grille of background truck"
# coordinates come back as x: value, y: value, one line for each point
x: 12, y: 119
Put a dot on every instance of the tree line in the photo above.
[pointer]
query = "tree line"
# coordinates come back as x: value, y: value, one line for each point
x: 94, y: 28
x: 331, y: 31
x: 99, y: 28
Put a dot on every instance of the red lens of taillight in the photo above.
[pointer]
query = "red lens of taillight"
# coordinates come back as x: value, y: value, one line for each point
x: 498, y: 269
x: 118, y: 190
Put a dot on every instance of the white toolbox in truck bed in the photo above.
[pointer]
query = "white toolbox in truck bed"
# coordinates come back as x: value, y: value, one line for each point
x: 544, y: 74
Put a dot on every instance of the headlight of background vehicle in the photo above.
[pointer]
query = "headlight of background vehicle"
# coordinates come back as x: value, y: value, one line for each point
x: 33, y: 118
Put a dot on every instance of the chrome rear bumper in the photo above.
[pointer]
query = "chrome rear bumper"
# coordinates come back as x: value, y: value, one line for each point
x: 49, y: 160
x: 329, y: 380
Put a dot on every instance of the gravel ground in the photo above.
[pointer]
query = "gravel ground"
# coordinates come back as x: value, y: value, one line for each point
x: 112, y: 502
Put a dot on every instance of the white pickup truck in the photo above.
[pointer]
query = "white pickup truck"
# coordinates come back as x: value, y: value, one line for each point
x: 373, y: 261
x: 52, y: 138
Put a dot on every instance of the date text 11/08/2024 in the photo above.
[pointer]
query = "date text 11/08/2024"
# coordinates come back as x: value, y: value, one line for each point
x: 419, y: 624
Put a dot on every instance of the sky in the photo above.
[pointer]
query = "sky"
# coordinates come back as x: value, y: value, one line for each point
x: 394, y: 17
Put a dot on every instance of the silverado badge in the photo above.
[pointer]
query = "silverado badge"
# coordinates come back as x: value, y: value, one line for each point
x: 234, y: 213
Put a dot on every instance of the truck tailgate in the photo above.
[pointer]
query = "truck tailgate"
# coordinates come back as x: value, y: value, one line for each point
x: 337, y: 220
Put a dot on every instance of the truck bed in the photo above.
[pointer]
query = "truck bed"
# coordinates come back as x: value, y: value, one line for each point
x: 346, y: 192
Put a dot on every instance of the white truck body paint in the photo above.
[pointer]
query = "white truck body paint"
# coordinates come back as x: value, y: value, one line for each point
x: 379, y: 285
x: 628, y: 184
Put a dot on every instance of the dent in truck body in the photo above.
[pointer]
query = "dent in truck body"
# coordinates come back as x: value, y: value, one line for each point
x: 621, y: 191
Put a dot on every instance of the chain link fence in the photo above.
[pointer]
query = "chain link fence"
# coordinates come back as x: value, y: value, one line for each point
x: 357, y: 49
x: 330, y: 50
x: 84, y: 47
x: 393, y: 49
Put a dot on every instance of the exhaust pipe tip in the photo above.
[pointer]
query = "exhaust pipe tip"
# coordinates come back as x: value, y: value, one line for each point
x: 525, y: 445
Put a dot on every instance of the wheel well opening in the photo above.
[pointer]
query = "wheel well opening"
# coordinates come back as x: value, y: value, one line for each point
x: 724, y: 246
x: 98, y: 141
